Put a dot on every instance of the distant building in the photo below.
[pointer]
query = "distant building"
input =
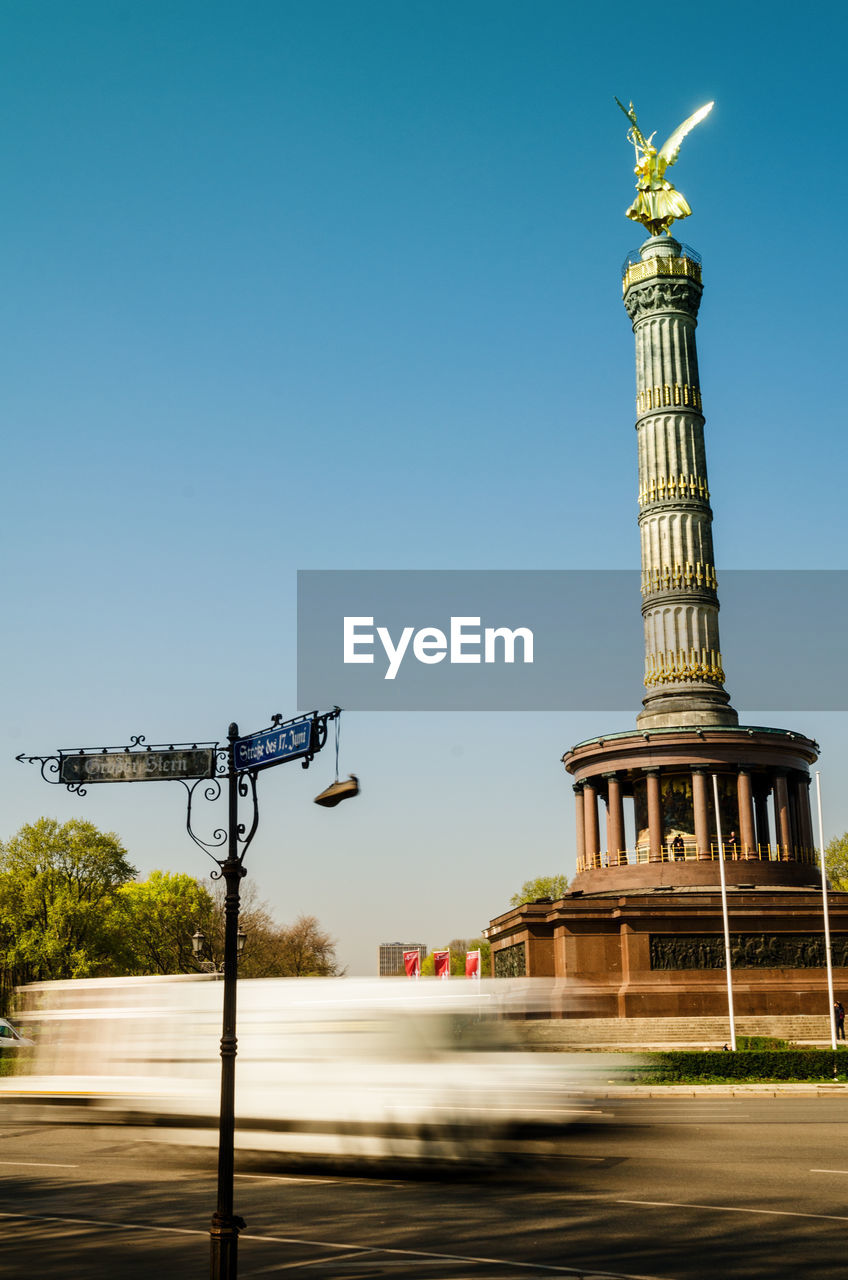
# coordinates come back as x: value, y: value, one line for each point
x: 391, y: 956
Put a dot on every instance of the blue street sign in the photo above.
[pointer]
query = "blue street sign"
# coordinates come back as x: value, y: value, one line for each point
x: 273, y: 746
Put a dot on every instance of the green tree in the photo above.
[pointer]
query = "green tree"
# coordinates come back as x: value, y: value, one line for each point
x: 836, y: 861
x: 70, y: 908
x: 59, y: 885
x: 542, y: 887
x: 159, y: 916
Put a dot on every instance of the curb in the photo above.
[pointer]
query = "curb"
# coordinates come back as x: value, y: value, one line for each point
x: 789, y: 1089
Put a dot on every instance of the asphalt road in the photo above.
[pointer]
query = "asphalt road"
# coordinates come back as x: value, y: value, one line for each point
x: 673, y: 1188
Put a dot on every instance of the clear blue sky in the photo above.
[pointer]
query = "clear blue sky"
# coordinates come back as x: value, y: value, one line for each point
x: 368, y: 254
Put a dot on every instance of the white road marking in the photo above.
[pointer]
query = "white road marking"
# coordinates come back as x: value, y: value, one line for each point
x: 725, y: 1208
x: 39, y: 1164
x: 310, y: 1262
x: 591, y: 1159
x: 119, y: 1226
x: 331, y: 1182
x: 586, y: 1272
x: 282, y: 1177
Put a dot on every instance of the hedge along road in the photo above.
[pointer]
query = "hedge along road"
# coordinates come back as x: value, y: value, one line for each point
x: 668, y: 1187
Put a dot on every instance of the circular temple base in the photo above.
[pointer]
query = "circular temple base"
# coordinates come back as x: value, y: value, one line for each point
x: 762, y: 777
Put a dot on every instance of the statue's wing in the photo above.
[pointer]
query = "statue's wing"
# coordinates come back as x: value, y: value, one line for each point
x: 671, y: 148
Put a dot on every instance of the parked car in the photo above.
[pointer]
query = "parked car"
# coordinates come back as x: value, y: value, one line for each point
x: 12, y: 1039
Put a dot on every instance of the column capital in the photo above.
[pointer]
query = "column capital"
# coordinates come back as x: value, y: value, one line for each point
x: 577, y: 787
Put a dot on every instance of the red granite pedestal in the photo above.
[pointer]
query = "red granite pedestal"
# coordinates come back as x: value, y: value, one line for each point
x: 640, y: 933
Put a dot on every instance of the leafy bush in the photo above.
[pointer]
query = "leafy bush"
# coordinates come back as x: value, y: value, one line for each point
x: 763, y: 1042
x: 686, y: 1065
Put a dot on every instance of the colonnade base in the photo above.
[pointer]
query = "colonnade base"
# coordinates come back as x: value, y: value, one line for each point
x: 764, y: 818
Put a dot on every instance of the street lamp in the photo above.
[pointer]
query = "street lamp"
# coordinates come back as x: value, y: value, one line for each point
x: 302, y: 739
x: 206, y: 767
x: 198, y: 946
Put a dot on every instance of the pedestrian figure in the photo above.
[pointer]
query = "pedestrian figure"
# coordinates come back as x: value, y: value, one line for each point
x: 732, y: 844
x: 839, y: 1011
x: 677, y: 847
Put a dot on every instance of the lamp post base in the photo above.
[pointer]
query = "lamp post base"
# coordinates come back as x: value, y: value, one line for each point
x: 223, y: 1241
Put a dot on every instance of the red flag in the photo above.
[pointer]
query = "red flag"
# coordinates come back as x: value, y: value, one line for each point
x: 472, y: 964
x: 441, y: 964
x: 412, y: 963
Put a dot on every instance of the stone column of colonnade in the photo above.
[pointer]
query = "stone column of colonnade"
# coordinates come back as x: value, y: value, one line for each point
x: 615, y: 818
x: 781, y: 808
x: 745, y: 801
x: 701, y: 814
x: 683, y: 669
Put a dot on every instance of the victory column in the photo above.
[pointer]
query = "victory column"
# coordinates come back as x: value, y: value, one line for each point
x: 643, y: 915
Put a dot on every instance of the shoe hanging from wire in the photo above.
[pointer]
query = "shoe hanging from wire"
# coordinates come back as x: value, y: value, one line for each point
x: 338, y: 791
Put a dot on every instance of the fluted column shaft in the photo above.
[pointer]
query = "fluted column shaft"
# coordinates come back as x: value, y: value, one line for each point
x: 683, y: 668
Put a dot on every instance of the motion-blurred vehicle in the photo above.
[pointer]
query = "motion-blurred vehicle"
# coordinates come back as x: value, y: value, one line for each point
x: 340, y: 1067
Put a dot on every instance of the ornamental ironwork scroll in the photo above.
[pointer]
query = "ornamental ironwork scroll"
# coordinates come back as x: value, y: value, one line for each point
x: 201, y: 767
x: 138, y: 761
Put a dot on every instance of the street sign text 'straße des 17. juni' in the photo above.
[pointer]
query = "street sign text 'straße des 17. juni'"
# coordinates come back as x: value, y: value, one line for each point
x: 273, y: 746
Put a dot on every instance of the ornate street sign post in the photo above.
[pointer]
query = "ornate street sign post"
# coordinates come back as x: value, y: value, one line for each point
x: 208, y: 765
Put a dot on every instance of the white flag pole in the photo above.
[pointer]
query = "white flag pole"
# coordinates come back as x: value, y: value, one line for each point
x: 724, y: 915
x: 827, y: 955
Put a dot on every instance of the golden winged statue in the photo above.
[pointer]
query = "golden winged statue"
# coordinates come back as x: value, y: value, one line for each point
x: 658, y: 203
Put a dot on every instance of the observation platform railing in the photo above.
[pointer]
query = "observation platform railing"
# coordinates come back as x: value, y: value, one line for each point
x: 642, y: 855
